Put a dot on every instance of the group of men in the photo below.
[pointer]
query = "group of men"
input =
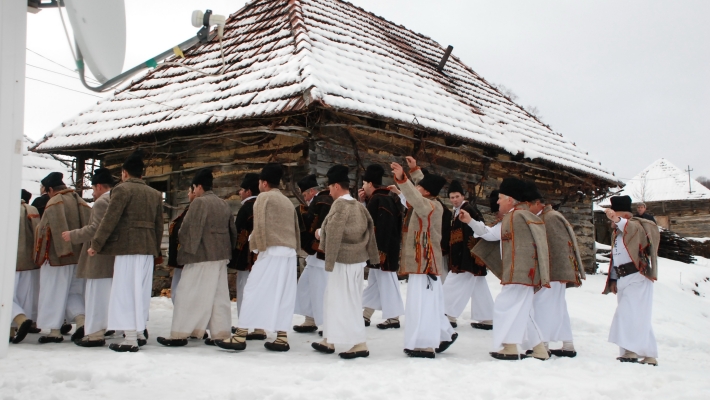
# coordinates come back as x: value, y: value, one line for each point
x: 96, y: 264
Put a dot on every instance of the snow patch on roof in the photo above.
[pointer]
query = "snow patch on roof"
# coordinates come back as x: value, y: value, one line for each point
x: 36, y: 166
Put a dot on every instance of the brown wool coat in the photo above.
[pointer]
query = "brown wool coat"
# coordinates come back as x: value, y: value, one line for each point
x: 275, y: 222
x: 65, y: 211
x: 133, y: 223
x: 348, y: 234
x: 29, y: 219
x: 208, y: 232
x: 421, y: 232
x: 565, y: 261
x: 98, y: 266
x: 641, y: 238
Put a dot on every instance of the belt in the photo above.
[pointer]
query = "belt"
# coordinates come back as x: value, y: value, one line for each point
x: 626, y: 269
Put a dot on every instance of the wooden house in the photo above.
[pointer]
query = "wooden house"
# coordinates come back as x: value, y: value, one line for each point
x: 311, y: 83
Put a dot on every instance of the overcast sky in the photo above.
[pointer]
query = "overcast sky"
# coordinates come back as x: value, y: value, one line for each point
x: 628, y: 81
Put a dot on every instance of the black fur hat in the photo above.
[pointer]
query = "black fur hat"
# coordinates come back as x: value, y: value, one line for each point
x: 513, y: 187
x: 52, y: 180
x: 455, y: 187
x: 531, y: 192
x: 251, y: 182
x: 338, y: 174
x: 374, y: 174
x: 308, y: 182
x: 432, y: 183
x: 204, y: 178
x: 621, y: 203
x: 102, y: 176
x: 272, y: 173
x: 493, y: 198
x: 134, y: 164
x: 26, y: 196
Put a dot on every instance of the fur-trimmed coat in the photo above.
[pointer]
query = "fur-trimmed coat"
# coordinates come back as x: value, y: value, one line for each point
x: 29, y: 219
x: 65, y: 211
x: 641, y: 239
x: 565, y: 261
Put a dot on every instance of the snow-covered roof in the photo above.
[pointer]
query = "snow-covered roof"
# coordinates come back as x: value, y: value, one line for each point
x: 36, y: 166
x: 283, y: 55
x: 662, y: 181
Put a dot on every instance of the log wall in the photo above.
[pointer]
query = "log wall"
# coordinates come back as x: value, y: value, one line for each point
x: 689, y: 218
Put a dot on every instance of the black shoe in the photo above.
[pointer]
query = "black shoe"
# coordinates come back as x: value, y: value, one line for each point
x: 322, y: 348
x: 209, y: 342
x: 229, y: 345
x: 485, y: 327
x: 172, y: 342
x: 22, y: 331
x: 356, y: 354
x: 123, y: 348
x: 320, y: 333
x: 35, y: 329
x: 529, y: 354
x: 145, y: 333
x: 274, y: 346
x: 78, y: 334
x: 420, y: 353
x: 367, y: 321
x: 90, y: 343
x: 305, y: 329
x: 142, y: 342
x: 205, y: 336
x: 507, y: 357
x: 454, y: 324
x: 563, y: 353
x: 234, y: 330
x: 256, y: 336
x: 50, y: 339
x: 110, y: 333
x: 65, y: 329
x: 446, y: 344
x: 385, y: 325
x: 627, y: 360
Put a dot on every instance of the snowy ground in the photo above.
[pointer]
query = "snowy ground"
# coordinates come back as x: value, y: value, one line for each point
x: 465, y: 371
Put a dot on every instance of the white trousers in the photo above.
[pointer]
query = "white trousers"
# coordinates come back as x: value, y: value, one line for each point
x: 203, y: 302
x: 444, y: 269
x: 311, y: 289
x: 425, y: 324
x: 462, y: 287
x: 129, y: 304
x: 382, y: 293
x: 343, y: 305
x: 514, y: 318
x: 61, y: 296
x: 26, y: 298
x: 631, y: 328
x: 270, y: 292
x: 551, y: 313
x: 177, y: 274
x: 98, y: 294
x: 242, y: 278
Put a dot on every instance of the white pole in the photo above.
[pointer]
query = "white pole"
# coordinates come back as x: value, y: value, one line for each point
x: 13, y: 40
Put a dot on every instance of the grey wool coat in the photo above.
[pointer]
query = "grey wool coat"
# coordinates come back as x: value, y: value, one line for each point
x: 98, y: 266
x: 65, y: 211
x: 29, y: 219
x: 565, y: 261
x: 348, y: 235
x: 208, y: 232
x: 133, y: 223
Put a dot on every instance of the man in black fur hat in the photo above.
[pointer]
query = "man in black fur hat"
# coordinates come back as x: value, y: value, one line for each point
x: 311, y: 285
x: 40, y: 202
x: 174, y: 244
x: 382, y: 292
x: 467, y: 274
x: 131, y: 230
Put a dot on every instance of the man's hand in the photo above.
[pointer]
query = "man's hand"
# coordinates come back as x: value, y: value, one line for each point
x: 613, y: 286
x: 91, y: 252
x: 361, y: 195
x: 66, y: 236
x: 411, y: 162
x: 397, y: 171
x: 317, y: 234
x: 464, y: 217
x: 611, y: 214
x: 394, y: 189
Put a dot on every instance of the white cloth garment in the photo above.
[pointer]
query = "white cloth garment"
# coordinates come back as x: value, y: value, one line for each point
x: 203, y: 302
x: 513, y: 318
x: 270, y: 292
x: 464, y: 286
x: 26, y: 298
x: 444, y: 269
x: 311, y: 289
x: 551, y: 313
x: 177, y: 274
x: 620, y: 254
x: 61, y: 296
x: 631, y: 328
x: 425, y: 324
x: 382, y: 293
x: 242, y: 278
x: 343, y: 305
x: 129, y: 304
x: 98, y: 294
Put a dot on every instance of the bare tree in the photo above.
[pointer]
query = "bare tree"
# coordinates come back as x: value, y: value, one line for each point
x: 505, y: 91
x: 705, y: 181
x: 534, y: 111
x: 642, y: 191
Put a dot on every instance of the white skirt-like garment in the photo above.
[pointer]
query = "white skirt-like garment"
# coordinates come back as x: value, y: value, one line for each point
x: 98, y: 295
x: 61, y: 296
x: 203, y: 302
x: 311, y: 289
x: 551, y: 313
x: 26, y: 298
x: 513, y: 318
x: 425, y: 324
x: 342, y: 312
x: 242, y: 278
x: 382, y: 293
x: 129, y: 304
x: 461, y: 287
x: 270, y: 292
x: 631, y: 328
x: 177, y: 274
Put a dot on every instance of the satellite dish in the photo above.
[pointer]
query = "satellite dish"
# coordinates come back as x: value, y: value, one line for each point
x: 100, y: 33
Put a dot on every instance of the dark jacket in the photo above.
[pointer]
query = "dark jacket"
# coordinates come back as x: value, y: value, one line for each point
x: 133, y: 223
x: 40, y: 203
x: 174, y: 240
x: 387, y: 216
x: 445, y: 228
x: 312, y: 221
x: 648, y: 217
x: 208, y: 232
x: 98, y: 266
x: 242, y: 257
x: 462, y: 242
